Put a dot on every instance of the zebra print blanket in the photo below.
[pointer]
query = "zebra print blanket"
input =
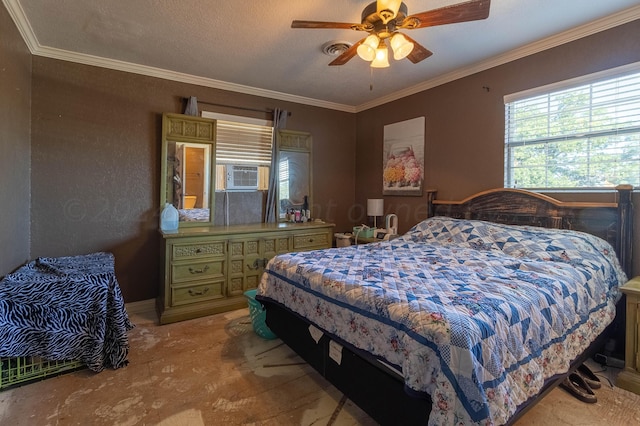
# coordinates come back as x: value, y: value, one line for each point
x: 65, y: 308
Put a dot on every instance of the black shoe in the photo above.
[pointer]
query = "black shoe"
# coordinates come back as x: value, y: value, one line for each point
x: 589, y: 376
x: 576, y: 386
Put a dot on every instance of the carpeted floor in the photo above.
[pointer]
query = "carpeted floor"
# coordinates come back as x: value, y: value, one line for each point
x: 216, y: 371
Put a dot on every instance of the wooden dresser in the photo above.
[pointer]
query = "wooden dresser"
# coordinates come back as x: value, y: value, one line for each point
x: 629, y: 378
x: 207, y: 269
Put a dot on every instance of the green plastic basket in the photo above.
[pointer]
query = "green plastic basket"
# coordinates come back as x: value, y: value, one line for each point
x: 26, y: 369
x: 258, y: 316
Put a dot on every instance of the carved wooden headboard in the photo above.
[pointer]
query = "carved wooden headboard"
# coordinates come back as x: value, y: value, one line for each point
x: 610, y: 221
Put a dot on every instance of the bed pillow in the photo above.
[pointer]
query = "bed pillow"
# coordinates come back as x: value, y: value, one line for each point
x: 530, y: 242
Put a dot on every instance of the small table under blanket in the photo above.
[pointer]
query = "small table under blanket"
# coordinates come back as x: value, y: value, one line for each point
x: 65, y: 308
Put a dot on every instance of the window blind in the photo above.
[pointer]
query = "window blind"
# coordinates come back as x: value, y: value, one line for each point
x: 243, y: 143
x: 581, y: 136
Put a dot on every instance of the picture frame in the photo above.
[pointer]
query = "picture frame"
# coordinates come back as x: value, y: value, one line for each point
x: 403, y: 158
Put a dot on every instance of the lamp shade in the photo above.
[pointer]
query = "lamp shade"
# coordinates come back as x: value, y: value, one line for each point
x: 367, y: 50
x: 382, y: 56
x: 375, y: 207
x: 401, y: 46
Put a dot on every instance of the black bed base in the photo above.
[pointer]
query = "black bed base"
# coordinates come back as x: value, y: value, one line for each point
x: 378, y: 392
x: 375, y: 389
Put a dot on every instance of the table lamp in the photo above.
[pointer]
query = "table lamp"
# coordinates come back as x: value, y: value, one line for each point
x: 375, y: 208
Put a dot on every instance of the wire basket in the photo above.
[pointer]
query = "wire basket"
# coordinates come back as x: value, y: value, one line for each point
x: 26, y: 369
x: 258, y: 316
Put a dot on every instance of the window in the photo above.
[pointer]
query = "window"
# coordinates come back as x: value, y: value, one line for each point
x: 583, y: 133
x: 242, y: 142
x: 283, y: 178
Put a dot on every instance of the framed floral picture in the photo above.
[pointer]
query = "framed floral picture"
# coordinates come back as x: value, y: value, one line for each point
x: 403, y: 158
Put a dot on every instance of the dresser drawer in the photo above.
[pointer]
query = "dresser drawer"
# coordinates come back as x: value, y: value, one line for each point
x: 197, y: 292
x: 205, y: 269
x: 195, y: 250
x: 311, y: 240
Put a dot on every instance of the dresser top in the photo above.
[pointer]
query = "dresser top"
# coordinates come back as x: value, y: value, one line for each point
x: 194, y: 231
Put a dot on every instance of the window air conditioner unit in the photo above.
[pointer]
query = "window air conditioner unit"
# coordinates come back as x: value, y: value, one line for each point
x: 242, y: 178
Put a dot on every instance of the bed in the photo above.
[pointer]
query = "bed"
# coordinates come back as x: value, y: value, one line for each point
x: 465, y: 319
x: 193, y: 215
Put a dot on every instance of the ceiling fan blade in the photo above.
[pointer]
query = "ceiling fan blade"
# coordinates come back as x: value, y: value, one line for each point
x: 472, y: 10
x: 419, y: 52
x: 347, y: 54
x: 321, y: 24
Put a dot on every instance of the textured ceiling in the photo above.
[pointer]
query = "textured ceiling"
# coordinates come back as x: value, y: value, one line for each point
x: 249, y: 45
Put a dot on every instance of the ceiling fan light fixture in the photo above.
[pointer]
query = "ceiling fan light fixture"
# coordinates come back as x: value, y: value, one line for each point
x: 382, y: 56
x: 384, y: 18
x: 401, y: 46
x: 367, y: 50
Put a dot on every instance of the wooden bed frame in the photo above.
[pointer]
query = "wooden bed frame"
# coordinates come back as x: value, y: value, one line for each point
x: 373, y: 387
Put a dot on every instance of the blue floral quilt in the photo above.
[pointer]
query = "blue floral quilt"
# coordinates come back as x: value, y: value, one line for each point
x: 476, y: 314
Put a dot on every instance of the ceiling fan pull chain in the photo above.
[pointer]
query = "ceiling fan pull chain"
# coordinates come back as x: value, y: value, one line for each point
x: 371, y: 80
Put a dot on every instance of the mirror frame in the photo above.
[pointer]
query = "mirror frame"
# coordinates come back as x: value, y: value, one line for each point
x: 192, y: 130
x: 295, y: 141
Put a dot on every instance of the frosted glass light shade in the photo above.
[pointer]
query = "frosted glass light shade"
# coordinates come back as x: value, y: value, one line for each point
x: 401, y: 46
x: 382, y: 57
x: 367, y: 50
x: 375, y: 207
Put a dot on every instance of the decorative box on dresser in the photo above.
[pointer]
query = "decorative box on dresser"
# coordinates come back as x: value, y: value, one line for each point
x: 207, y: 269
x: 629, y: 378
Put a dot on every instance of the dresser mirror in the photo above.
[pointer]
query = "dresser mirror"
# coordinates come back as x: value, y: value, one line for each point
x: 294, y: 170
x: 188, y: 161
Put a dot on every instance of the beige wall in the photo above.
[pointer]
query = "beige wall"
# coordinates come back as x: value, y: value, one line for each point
x: 15, y: 164
x: 96, y: 162
x: 464, y: 134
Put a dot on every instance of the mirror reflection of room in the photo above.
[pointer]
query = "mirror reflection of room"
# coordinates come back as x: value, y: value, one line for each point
x: 196, y: 179
x: 294, y: 175
x: 293, y: 179
x: 191, y: 180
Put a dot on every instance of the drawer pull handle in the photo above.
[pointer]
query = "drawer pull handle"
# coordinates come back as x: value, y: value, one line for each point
x: 258, y: 263
x: 198, y: 292
x: 198, y: 250
x: 310, y: 240
x: 199, y: 271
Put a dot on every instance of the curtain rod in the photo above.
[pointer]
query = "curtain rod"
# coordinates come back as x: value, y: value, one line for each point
x: 268, y: 111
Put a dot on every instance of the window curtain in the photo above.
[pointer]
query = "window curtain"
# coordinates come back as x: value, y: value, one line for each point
x: 271, y: 214
x: 192, y: 106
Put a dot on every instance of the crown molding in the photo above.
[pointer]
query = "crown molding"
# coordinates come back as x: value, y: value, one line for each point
x: 22, y: 23
x: 582, y: 31
x: 117, y: 65
x: 24, y: 27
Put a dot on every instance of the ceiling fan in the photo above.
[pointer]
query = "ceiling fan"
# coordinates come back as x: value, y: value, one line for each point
x: 383, y: 18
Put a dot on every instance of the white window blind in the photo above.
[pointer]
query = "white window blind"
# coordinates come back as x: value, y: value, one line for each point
x: 242, y: 143
x: 584, y: 135
x: 242, y: 140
